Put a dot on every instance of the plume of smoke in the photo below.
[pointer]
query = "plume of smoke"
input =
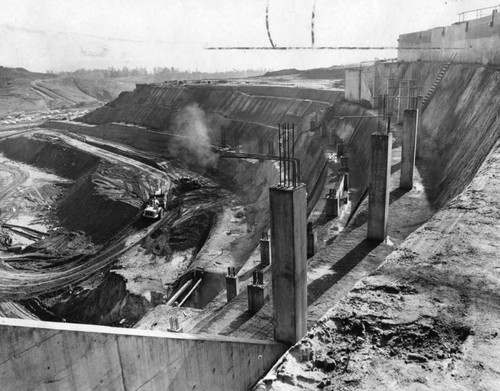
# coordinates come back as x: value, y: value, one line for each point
x: 192, y: 143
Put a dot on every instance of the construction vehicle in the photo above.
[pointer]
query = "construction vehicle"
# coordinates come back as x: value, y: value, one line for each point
x: 185, y: 184
x: 156, y: 206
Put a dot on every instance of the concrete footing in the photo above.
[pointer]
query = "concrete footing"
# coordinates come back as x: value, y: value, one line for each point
x: 344, y: 163
x: 323, y: 130
x: 257, y: 293
x: 408, y: 148
x: 289, y: 266
x: 346, y: 181
x: 311, y: 241
x: 265, y: 250
x: 378, y: 203
x: 332, y: 206
x: 232, y: 284
x: 340, y: 150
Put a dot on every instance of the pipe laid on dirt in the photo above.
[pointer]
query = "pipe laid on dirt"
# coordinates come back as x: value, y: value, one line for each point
x: 189, y: 293
x: 179, y: 292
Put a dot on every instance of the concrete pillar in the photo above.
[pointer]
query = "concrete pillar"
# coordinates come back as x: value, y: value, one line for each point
x: 332, y: 205
x: 344, y: 163
x: 378, y: 202
x: 265, y: 250
x: 311, y: 241
x: 257, y: 293
x: 346, y: 181
x: 323, y: 130
x: 419, y: 120
x: 232, y: 284
x: 408, y: 148
x: 340, y: 149
x: 402, y: 103
x: 289, y: 267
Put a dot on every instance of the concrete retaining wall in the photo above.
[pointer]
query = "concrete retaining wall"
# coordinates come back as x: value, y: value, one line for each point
x: 475, y: 41
x: 39, y: 355
x: 359, y: 85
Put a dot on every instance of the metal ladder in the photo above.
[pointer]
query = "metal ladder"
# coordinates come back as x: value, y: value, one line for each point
x: 436, y: 83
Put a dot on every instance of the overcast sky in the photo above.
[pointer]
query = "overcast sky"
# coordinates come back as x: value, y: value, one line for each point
x: 70, y: 34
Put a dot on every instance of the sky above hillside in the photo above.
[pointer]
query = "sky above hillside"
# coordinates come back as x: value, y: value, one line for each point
x: 71, y: 34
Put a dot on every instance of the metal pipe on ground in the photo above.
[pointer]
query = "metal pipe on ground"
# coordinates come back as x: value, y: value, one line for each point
x: 190, y: 292
x: 179, y: 292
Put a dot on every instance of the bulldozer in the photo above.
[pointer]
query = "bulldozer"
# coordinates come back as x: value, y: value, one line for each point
x: 156, y: 205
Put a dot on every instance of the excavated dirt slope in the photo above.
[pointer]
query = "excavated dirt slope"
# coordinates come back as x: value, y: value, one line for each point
x: 218, y: 225
x: 71, y: 206
x: 249, y: 113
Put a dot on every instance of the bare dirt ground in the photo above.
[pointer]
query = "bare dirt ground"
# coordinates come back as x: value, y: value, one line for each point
x: 36, y: 198
x: 426, y: 319
x: 71, y: 206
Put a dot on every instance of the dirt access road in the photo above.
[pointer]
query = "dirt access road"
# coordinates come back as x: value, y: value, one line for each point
x: 27, y: 196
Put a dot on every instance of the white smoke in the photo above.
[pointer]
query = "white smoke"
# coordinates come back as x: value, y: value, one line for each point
x: 192, y: 143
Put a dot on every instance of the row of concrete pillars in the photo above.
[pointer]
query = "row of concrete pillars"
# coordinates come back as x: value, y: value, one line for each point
x: 339, y: 196
x: 380, y: 161
x: 289, y: 237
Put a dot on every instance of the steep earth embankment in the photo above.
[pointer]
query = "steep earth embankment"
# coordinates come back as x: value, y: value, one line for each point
x: 459, y: 126
x: 250, y: 115
x: 428, y: 317
x: 98, y: 201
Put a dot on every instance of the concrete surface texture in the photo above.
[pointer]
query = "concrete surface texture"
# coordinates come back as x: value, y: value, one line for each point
x: 427, y: 319
x: 378, y: 198
x: 474, y: 41
x: 359, y: 84
x: 57, y: 356
x: 289, y: 266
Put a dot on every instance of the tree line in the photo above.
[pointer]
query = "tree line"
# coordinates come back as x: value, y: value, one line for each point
x: 161, y: 73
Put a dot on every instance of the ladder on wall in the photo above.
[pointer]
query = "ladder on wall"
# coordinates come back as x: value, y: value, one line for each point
x: 436, y: 83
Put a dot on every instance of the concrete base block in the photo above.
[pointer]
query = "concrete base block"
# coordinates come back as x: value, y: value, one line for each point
x: 265, y: 252
x: 312, y: 244
x: 340, y: 150
x: 232, y: 287
x: 332, y: 207
x: 346, y: 181
x: 257, y: 296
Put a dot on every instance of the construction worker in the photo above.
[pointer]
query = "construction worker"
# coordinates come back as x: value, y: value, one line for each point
x: 156, y: 203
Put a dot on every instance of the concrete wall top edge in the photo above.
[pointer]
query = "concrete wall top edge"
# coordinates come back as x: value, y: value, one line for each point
x: 470, y: 24
x: 37, y: 324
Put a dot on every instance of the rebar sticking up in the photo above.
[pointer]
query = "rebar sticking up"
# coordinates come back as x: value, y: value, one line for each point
x: 288, y: 165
